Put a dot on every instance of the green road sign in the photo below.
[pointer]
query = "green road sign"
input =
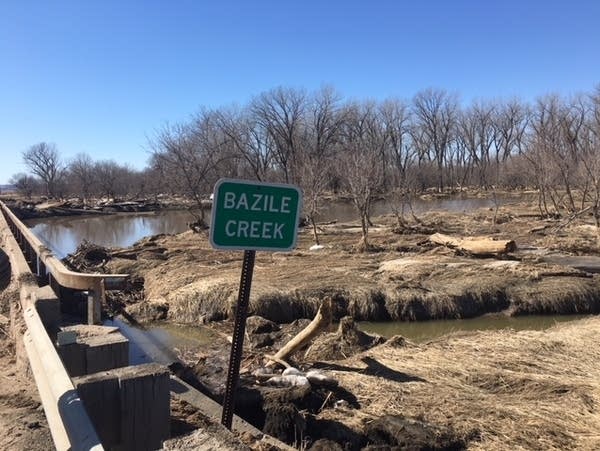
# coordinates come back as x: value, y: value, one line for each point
x: 254, y: 216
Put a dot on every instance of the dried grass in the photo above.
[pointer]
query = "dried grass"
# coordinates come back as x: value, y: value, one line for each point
x: 498, y: 390
x: 206, y: 299
x: 408, y: 280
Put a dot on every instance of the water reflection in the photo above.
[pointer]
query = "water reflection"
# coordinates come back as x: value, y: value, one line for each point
x: 63, y: 235
x: 427, y: 330
x: 161, y: 342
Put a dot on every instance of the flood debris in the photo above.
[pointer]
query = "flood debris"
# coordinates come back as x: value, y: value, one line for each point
x: 321, y: 321
x: 347, y: 341
x: 476, y: 246
x: 89, y: 257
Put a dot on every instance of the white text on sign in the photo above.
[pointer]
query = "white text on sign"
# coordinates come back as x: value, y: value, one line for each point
x: 258, y: 202
x: 254, y: 229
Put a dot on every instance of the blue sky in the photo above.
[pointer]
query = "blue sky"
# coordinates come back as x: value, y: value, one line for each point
x: 102, y: 76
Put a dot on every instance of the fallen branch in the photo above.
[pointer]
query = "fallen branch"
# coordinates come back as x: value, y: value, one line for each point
x: 572, y: 217
x: 321, y: 321
x: 282, y: 362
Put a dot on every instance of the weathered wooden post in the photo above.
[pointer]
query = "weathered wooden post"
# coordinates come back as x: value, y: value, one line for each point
x: 94, y: 302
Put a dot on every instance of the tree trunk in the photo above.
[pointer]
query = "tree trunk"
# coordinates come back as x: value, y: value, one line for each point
x: 478, y: 246
x: 314, y: 227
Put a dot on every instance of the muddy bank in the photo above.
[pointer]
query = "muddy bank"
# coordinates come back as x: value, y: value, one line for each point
x: 302, y: 405
x: 477, y: 390
x: 406, y: 278
x: 36, y: 209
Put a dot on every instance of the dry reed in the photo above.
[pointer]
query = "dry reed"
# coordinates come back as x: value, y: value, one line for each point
x: 498, y: 390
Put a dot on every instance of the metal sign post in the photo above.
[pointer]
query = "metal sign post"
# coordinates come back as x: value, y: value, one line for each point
x: 250, y: 216
x: 237, y: 344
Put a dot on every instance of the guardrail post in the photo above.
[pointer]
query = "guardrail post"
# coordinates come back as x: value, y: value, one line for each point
x: 44, y: 276
x: 95, y: 298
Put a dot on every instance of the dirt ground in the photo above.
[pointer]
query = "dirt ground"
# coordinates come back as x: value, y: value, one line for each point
x: 23, y: 425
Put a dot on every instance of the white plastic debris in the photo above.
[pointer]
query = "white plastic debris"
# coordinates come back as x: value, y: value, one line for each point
x: 289, y: 381
x: 291, y: 371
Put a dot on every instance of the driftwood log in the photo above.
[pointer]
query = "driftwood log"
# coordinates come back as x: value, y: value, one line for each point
x: 478, y: 246
x: 321, y: 321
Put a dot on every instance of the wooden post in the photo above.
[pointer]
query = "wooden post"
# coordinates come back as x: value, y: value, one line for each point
x: 130, y: 407
x: 145, y: 407
x: 100, y: 395
x: 91, y: 354
x: 94, y: 303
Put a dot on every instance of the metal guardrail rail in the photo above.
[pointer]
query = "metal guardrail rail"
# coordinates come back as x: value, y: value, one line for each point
x: 69, y: 422
x: 45, y: 264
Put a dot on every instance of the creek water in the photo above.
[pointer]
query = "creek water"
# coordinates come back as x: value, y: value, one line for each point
x: 427, y: 330
x: 160, y: 342
x: 63, y: 234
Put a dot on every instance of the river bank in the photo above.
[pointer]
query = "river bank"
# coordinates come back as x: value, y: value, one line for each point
x: 406, y: 277
x: 38, y: 208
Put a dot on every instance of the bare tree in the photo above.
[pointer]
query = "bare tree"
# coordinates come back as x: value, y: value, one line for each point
x: 25, y: 184
x: 281, y: 112
x: 250, y: 140
x: 476, y: 133
x: 435, y: 115
x: 510, y: 121
x: 395, y: 116
x: 554, y: 150
x: 320, y: 136
x: 44, y: 161
x: 590, y: 159
x: 312, y: 176
x: 108, y: 173
x: 82, y: 170
x: 189, y: 156
x: 362, y: 141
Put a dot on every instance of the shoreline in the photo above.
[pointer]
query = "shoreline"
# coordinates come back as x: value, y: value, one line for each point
x: 407, y: 277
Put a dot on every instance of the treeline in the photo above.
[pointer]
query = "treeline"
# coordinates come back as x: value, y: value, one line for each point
x: 81, y: 176
x: 324, y: 142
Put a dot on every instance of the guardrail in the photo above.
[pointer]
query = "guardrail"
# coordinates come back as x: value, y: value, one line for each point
x: 69, y: 422
x: 45, y: 265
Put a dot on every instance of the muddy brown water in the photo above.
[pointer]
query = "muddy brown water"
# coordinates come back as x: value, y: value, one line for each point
x: 63, y: 234
x: 157, y: 341
x: 427, y: 330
